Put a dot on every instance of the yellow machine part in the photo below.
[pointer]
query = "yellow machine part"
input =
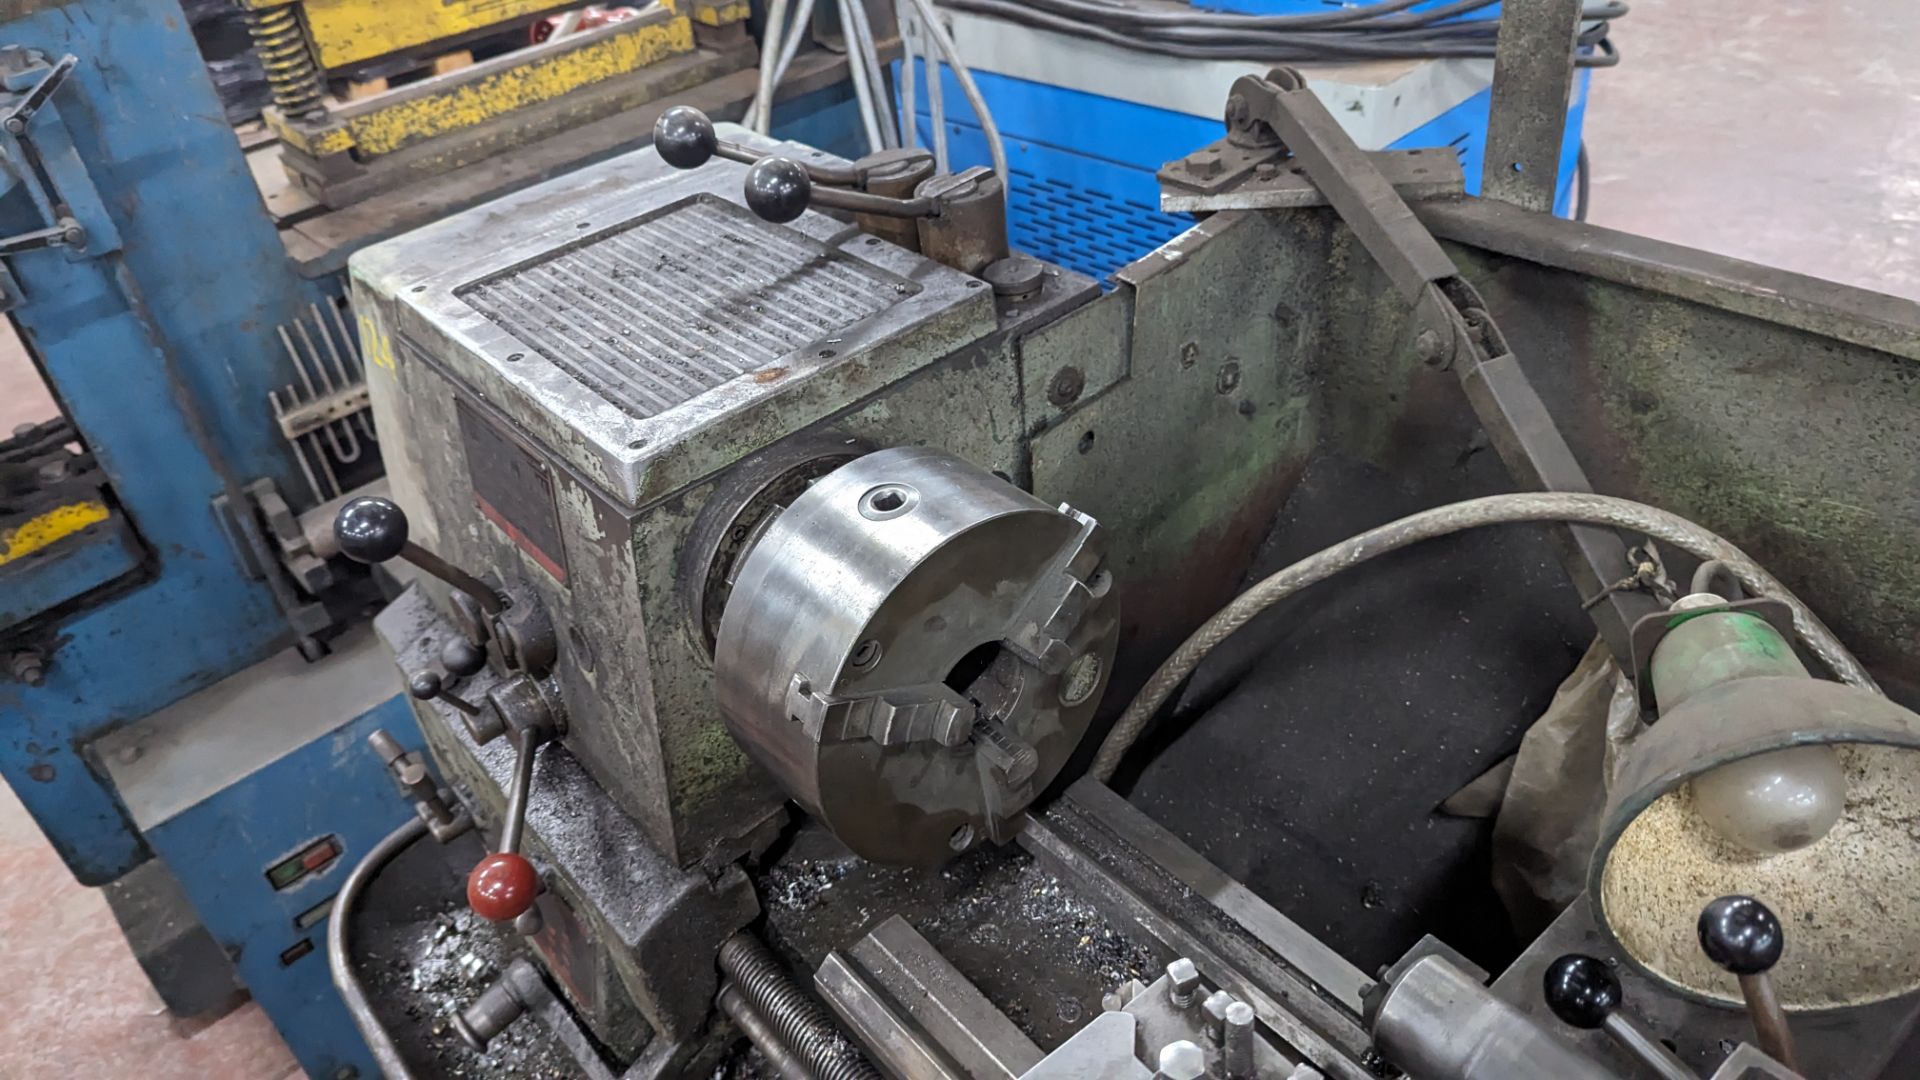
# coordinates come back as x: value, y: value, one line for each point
x: 49, y: 528
x: 348, y: 32
x: 382, y: 129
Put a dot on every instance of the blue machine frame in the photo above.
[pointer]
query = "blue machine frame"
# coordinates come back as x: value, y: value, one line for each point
x: 158, y: 338
x: 252, y: 773
x: 1082, y: 191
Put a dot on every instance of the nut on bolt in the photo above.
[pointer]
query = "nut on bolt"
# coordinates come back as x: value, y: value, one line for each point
x: 1430, y: 347
x: 1183, y: 982
x: 1215, y: 1014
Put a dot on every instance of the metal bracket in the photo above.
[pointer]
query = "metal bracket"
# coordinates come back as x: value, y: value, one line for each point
x: 1223, y: 176
x: 54, y: 171
x: 1453, y: 328
x: 65, y: 231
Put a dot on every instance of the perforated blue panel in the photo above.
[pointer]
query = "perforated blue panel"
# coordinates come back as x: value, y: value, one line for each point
x: 1083, y: 189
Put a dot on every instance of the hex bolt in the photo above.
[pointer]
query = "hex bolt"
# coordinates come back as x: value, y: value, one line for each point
x: 28, y: 666
x: 1183, y: 982
x: 1428, y: 345
x: 1215, y: 1011
x: 1237, y: 1047
x: 1181, y: 1061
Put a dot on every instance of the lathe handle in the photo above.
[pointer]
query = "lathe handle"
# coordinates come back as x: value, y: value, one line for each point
x: 371, y: 529
x: 1585, y: 993
x: 778, y: 189
x: 1743, y: 935
x: 504, y: 885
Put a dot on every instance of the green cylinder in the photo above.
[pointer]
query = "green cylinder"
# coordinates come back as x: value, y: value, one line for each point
x: 1707, y: 647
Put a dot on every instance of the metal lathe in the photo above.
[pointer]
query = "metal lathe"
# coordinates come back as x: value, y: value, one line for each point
x: 855, y: 640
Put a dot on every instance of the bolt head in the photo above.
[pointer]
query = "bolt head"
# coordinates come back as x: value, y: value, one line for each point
x: 1215, y: 1010
x: 1428, y: 345
x: 1183, y: 981
x: 1181, y: 1060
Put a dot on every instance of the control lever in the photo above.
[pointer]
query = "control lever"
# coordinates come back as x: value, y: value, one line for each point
x: 504, y: 885
x: 1743, y: 936
x: 780, y: 189
x: 1585, y: 993
x: 371, y: 529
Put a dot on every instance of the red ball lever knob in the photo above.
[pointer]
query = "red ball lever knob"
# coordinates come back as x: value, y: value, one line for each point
x: 502, y: 887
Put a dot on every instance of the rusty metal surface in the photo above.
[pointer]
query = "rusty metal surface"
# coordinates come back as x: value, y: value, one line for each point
x: 1780, y: 411
x: 1187, y: 458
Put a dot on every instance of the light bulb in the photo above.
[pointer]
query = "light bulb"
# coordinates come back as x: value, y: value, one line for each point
x: 1774, y: 802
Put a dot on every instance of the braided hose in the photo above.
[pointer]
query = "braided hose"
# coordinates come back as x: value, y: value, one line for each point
x: 1565, y: 507
x: 801, y: 1023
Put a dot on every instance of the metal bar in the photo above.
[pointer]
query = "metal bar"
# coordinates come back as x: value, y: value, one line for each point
x: 16, y: 121
x: 488, y: 599
x: 1771, y: 295
x: 515, y: 821
x: 315, y: 413
x: 1769, y: 1019
x: 1532, y: 76
x: 1516, y: 420
x: 1088, y: 837
x: 1528, y: 441
x: 340, y: 950
x: 754, y: 1027
x: 917, y: 1013
x: 894, y: 1044
x: 1364, y: 198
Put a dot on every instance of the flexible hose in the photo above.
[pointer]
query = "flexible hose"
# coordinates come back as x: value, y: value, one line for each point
x: 909, y: 103
x: 1455, y: 517
x: 864, y: 50
x: 340, y: 956
x: 800, y: 1023
x: 802, y: 23
x: 857, y: 73
x: 944, y: 41
x: 760, y: 110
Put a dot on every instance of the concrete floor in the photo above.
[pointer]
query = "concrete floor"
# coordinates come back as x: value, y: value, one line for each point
x: 1786, y: 133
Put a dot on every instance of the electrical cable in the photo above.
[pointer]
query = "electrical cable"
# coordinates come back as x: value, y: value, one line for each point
x: 760, y: 111
x: 802, y: 25
x: 909, y: 103
x: 1536, y: 507
x: 962, y: 75
x: 936, y: 96
x: 1380, y: 31
x: 857, y: 74
x: 862, y: 49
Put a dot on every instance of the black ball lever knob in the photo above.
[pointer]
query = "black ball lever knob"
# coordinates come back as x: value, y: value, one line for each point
x: 370, y: 529
x: 684, y: 137
x: 1741, y: 935
x: 1581, y: 990
x: 778, y: 189
x: 462, y: 657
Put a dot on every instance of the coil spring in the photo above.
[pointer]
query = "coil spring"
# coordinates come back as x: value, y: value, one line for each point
x: 284, y: 52
x: 802, y: 1023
